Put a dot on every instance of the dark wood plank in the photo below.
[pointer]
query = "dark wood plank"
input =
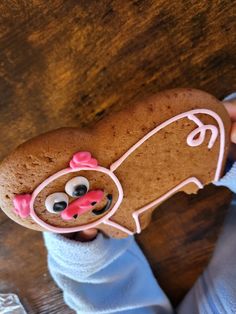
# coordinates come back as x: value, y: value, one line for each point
x: 68, y: 63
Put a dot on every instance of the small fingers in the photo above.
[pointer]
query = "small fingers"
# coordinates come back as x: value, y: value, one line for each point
x: 233, y: 133
x: 86, y: 235
x: 82, y: 236
x: 231, y: 108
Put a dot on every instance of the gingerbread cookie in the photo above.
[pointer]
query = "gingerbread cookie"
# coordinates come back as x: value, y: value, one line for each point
x: 113, y: 175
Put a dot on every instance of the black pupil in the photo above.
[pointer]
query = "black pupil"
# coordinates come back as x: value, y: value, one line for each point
x: 59, y: 206
x: 80, y: 190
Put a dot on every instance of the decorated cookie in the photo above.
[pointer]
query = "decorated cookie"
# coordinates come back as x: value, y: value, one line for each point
x: 113, y: 175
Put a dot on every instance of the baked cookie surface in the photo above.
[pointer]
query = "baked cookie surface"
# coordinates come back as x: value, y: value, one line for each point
x: 113, y: 175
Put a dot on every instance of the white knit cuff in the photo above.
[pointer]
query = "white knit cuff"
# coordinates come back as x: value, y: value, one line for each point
x: 85, y: 256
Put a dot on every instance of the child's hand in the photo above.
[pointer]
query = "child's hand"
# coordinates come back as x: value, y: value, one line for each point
x: 231, y: 108
x: 83, y: 236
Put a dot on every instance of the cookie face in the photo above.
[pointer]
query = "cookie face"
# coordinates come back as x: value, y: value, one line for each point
x: 113, y: 175
x: 76, y: 198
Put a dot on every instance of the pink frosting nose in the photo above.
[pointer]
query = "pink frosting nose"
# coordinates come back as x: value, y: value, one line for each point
x: 82, y: 205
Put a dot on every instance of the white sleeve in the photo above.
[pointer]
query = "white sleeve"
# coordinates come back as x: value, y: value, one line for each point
x: 104, y: 276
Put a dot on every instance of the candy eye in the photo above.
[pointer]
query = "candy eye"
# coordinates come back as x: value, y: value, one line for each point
x: 77, y: 186
x: 56, y: 202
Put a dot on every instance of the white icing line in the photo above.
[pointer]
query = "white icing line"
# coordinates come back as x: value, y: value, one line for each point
x: 195, y: 119
x: 202, y: 130
x: 191, y: 141
x: 163, y: 198
x: 117, y: 226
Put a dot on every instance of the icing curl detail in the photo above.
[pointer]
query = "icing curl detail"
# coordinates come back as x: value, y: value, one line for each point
x: 201, y: 130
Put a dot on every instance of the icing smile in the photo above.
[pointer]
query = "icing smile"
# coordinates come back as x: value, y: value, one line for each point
x: 82, y: 205
x: 105, y: 208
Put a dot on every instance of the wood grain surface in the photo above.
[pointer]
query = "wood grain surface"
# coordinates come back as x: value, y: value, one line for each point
x: 69, y: 63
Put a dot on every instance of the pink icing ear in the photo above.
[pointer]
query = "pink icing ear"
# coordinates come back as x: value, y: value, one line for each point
x: 21, y: 203
x: 82, y: 159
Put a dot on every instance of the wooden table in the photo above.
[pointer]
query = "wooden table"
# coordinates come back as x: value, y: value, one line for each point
x: 68, y: 63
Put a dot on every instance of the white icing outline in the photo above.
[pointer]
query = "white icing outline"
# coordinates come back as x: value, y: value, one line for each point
x: 163, y: 198
x: 190, y: 141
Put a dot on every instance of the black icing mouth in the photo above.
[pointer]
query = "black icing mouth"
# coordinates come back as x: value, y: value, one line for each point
x: 105, y: 208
